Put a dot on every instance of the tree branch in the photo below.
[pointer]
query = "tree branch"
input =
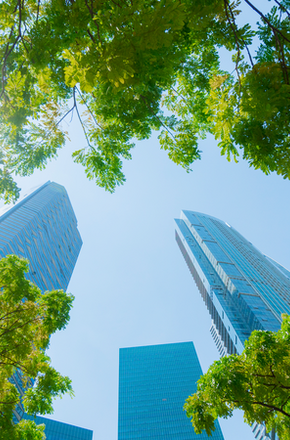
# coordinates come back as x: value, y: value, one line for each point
x: 12, y: 402
x: 178, y: 94
x: 85, y: 103
x: 267, y: 21
x: 80, y: 119
x: 18, y: 307
x: 11, y: 329
x: 18, y: 365
x: 282, y: 8
x: 117, y: 4
x: 272, y: 407
x: 5, y: 57
x: 154, y: 114
x: 90, y: 9
x: 37, y: 14
x: 91, y: 36
x: 233, y: 25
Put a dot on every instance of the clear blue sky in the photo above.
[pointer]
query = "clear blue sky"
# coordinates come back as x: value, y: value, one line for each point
x: 131, y: 284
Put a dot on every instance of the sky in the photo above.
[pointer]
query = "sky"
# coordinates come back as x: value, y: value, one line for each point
x: 131, y: 284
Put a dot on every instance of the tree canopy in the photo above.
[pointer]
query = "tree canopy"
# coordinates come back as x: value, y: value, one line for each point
x: 117, y: 64
x: 27, y: 319
x: 257, y: 381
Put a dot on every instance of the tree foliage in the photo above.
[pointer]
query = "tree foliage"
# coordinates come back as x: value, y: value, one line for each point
x: 114, y: 64
x: 27, y: 319
x: 257, y: 381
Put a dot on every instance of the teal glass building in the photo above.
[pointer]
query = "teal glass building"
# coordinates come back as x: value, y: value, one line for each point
x: 42, y: 227
x: 154, y: 382
x: 61, y: 431
x: 243, y: 289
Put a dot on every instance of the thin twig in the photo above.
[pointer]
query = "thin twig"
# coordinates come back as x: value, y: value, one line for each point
x: 90, y: 9
x: 37, y: 14
x: 55, y: 125
x: 249, y: 54
x: 117, y: 4
x: 282, y: 8
x: 178, y: 94
x: 5, y: 57
x: 91, y: 36
x: 80, y: 119
x: 154, y: 114
x: 96, y: 122
x: 18, y: 308
x: 233, y: 26
x: 9, y: 330
x: 266, y: 20
x: 20, y: 19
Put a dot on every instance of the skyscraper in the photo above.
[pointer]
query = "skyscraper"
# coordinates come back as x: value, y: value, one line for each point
x: 243, y: 289
x: 42, y: 227
x: 154, y: 382
x: 62, y: 431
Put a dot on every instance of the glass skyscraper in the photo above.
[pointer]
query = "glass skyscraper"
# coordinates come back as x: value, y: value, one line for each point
x: 154, y: 382
x: 42, y: 227
x: 62, y: 431
x: 243, y: 289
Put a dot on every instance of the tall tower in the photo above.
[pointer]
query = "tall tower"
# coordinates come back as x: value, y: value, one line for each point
x: 154, y: 382
x: 243, y: 289
x: 42, y: 227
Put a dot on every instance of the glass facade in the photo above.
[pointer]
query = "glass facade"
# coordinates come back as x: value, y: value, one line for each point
x: 42, y: 227
x: 243, y: 289
x: 61, y: 431
x: 154, y: 382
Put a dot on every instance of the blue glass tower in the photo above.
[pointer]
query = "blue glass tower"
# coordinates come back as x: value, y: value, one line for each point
x: 62, y: 431
x: 154, y: 382
x: 42, y: 227
x: 243, y: 289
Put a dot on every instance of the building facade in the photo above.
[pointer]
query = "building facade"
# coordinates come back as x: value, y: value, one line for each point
x: 154, y: 382
x: 42, y: 227
x: 243, y: 289
x: 55, y: 430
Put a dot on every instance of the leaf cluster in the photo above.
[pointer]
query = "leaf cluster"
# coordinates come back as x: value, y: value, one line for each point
x: 114, y: 64
x: 257, y: 381
x: 27, y: 319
